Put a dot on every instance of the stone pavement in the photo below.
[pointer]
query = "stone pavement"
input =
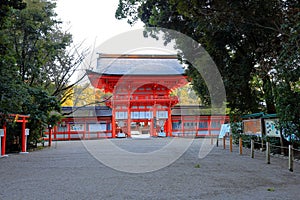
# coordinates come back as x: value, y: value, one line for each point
x: 68, y: 171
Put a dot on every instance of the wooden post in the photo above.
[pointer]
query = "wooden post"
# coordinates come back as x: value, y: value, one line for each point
x: 230, y: 143
x: 252, y: 148
x: 291, y: 158
x: 69, y: 131
x: 169, y: 123
x: 224, y: 142
x: 268, y: 152
x: 50, y: 136
x: 129, y: 119
x: 241, y: 146
x: 3, y: 141
x: 281, y: 143
x: 113, y: 123
x: 23, y: 136
x: 262, y: 144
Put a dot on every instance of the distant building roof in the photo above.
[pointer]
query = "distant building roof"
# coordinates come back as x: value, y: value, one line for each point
x: 89, y: 111
x: 122, y: 64
x: 253, y: 115
x: 195, y: 110
x: 105, y: 111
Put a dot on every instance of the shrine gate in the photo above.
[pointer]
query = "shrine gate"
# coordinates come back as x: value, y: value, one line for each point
x: 141, y: 87
x: 141, y: 102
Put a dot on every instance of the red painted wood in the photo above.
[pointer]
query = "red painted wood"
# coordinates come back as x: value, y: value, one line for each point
x: 3, y: 141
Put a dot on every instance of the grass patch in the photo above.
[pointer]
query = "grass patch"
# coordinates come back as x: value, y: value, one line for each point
x: 197, y: 166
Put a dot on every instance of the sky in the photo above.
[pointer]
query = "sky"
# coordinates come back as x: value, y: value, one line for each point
x: 92, y: 20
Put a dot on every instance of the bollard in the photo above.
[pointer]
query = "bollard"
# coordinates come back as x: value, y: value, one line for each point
x: 291, y: 157
x: 252, y: 148
x: 211, y: 140
x: 230, y: 143
x: 241, y: 146
x: 217, y: 141
x: 224, y: 143
x: 268, y: 152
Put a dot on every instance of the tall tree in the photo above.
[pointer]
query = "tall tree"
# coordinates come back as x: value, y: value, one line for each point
x: 240, y: 36
x: 10, y: 86
x: 39, y: 61
x: 287, y: 73
x: 255, y: 45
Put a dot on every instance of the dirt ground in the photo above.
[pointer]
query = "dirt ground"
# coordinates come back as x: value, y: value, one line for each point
x: 68, y: 171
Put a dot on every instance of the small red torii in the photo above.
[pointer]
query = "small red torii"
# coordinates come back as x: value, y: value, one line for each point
x: 17, y: 118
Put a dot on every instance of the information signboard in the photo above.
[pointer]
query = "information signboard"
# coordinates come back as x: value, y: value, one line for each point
x: 271, y: 129
x: 252, y: 127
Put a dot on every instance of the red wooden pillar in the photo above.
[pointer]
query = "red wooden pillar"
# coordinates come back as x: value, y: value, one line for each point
x: 154, y: 125
x: 113, y: 124
x: 129, y: 96
x: 69, y: 131
x: 3, y: 141
x: 209, y: 125
x: 182, y: 125
x: 55, y: 132
x: 169, y: 125
x: 84, y: 131
x: 23, y: 136
x: 50, y: 136
x: 129, y: 120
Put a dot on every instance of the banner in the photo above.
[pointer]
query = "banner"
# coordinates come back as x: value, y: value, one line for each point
x: 225, y: 128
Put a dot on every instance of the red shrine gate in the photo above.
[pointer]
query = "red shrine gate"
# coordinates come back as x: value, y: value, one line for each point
x: 141, y: 102
x: 25, y: 132
x: 141, y: 86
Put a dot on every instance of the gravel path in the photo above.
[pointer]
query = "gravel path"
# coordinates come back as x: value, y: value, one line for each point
x: 68, y: 171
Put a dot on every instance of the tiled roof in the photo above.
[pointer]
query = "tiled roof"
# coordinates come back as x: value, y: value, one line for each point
x: 139, y: 65
x: 89, y: 111
x: 104, y: 111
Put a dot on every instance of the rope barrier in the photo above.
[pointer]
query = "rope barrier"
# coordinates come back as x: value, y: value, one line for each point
x: 271, y: 145
x: 280, y: 147
x: 296, y: 149
x: 267, y: 146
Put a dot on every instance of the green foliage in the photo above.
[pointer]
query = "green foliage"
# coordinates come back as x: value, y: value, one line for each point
x: 255, y: 45
x: 35, y: 62
x: 288, y: 73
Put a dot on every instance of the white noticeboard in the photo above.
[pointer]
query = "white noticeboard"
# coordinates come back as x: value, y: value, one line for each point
x: 77, y: 127
x: 97, y: 127
x: 270, y: 128
x: 27, y: 131
x: 1, y: 132
x: 225, y: 128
